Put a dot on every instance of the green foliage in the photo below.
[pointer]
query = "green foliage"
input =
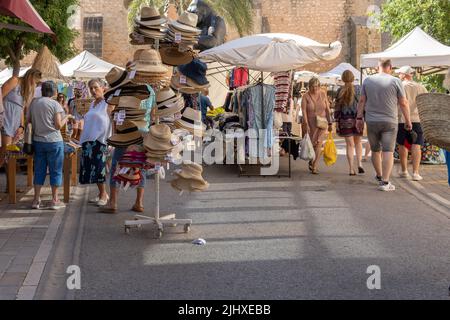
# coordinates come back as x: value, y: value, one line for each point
x: 15, y: 45
x: 237, y: 13
x: 399, y: 17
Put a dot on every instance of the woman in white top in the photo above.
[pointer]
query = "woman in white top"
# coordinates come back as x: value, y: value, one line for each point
x: 97, y: 129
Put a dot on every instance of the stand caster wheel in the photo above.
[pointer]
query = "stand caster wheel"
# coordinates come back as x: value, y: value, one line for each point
x: 158, y: 234
x: 127, y: 230
x: 187, y: 228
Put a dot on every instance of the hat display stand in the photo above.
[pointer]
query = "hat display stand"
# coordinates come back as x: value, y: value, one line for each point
x: 160, y: 220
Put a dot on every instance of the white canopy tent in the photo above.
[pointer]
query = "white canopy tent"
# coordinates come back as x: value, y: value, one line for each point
x: 85, y: 66
x: 417, y: 49
x: 272, y: 52
x: 263, y: 53
x: 336, y: 73
x: 6, y: 74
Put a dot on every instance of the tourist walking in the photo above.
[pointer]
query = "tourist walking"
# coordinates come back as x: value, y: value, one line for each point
x: 412, y: 90
x: 316, y: 118
x: 97, y: 129
x: 346, y: 110
x: 380, y: 96
x: 46, y: 117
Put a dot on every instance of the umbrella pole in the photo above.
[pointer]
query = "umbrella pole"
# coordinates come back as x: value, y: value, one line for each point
x: 262, y: 107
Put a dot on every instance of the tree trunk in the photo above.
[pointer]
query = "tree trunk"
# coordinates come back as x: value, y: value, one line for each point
x: 16, y: 67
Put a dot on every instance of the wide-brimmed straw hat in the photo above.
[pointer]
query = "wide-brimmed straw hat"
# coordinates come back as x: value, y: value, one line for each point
x: 150, y: 16
x: 186, y: 23
x: 168, y: 103
x: 172, y: 56
x: 159, y: 138
x: 189, y: 178
x: 116, y: 78
x: 149, y: 60
x: 191, y: 120
x: 181, y: 184
x: 127, y: 135
x: 128, y: 90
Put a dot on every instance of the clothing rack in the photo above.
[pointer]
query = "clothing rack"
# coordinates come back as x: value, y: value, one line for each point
x: 158, y: 220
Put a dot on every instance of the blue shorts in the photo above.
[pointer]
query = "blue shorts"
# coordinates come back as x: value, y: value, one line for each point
x: 117, y: 155
x: 48, y: 155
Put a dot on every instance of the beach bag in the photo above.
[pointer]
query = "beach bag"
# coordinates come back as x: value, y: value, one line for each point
x: 306, y: 149
x: 330, y: 151
x: 28, y: 140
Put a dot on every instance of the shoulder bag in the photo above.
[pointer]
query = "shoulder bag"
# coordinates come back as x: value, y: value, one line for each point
x: 321, y: 122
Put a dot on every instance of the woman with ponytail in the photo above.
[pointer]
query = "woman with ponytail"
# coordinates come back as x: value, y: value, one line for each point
x: 346, y: 105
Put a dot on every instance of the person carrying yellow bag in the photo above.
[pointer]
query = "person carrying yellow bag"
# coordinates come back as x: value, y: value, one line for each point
x: 330, y: 151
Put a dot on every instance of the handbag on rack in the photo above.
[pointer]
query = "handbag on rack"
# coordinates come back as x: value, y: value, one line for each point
x: 28, y: 147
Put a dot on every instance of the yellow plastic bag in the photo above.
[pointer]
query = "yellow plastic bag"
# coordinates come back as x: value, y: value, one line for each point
x: 330, y: 151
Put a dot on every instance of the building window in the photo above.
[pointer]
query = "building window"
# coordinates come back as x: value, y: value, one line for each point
x: 93, y: 35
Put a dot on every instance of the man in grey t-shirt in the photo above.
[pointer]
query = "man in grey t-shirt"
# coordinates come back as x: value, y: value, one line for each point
x: 380, y: 96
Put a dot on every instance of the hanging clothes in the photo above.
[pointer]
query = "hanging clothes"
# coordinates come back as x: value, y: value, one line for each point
x: 283, y: 82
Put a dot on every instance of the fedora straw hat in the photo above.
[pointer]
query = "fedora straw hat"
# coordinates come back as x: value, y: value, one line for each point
x: 166, y: 96
x: 130, y: 89
x: 167, y: 110
x: 129, y: 103
x: 186, y: 23
x: 181, y: 184
x: 127, y: 135
x: 140, y: 124
x: 149, y: 60
x: 150, y: 16
x: 192, y: 171
x: 172, y: 56
x: 116, y: 78
x: 158, y: 138
x: 190, y: 84
x: 191, y: 120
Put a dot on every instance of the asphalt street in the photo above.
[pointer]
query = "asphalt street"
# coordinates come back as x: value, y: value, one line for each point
x: 308, y: 237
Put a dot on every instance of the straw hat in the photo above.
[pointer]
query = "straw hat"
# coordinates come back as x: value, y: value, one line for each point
x: 128, y: 90
x: 189, y: 178
x: 196, y: 71
x: 181, y: 184
x: 167, y: 110
x: 158, y: 139
x: 129, y: 103
x: 166, y: 96
x: 186, y: 23
x: 192, y: 171
x: 116, y: 78
x: 150, y: 16
x: 191, y: 121
x: 127, y: 135
x: 172, y: 56
x: 149, y: 60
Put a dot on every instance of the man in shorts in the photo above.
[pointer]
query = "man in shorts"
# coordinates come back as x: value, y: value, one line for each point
x: 412, y: 90
x: 380, y: 96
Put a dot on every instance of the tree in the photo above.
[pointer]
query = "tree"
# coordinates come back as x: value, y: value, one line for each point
x: 15, y: 45
x: 237, y: 13
x: 399, y: 17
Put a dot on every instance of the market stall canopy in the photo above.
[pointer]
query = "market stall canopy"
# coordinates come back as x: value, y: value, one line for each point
x: 305, y: 76
x: 272, y: 52
x: 23, y: 10
x: 86, y: 66
x: 417, y: 49
x: 336, y: 73
x: 7, y: 73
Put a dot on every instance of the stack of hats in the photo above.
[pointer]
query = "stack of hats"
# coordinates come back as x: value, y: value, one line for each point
x: 158, y: 143
x: 184, y: 30
x: 182, y: 35
x: 191, y: 77
x: 122, y: 86
x: 127, y: 134
x: 191, y: 120
x: 168, y: 103
x: 149, y: 27
x: 189, y: 178
x: 148, y: 68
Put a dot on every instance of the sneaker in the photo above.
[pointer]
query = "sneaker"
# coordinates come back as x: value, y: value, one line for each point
x: 379, y: 179
x: 386, y: 186
x: 102, y: 203
x: 417, y: 177
x: 36, y: 205
x: 361, y: 170
x: 57, y: 205
x: 404, y: 175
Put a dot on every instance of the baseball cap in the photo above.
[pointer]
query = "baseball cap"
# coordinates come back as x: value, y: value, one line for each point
x: 405, y: 70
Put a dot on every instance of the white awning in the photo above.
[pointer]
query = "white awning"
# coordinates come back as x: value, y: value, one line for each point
x: 85, y: 66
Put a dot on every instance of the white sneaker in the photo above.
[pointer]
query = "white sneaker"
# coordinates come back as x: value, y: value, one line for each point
x: 417, y: 177
x: 102, y: 203
x: 386, y: 187
x: 405, y: 175
x: 36, y: 205
x: 57, y: 205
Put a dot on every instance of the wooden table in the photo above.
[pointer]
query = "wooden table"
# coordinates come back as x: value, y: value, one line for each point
x: 69, y: 174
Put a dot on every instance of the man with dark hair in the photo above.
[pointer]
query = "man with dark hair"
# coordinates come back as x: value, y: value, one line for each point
x: 380, y: 96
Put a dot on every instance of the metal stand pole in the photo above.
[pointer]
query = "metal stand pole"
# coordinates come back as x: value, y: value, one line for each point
x: 169, y: 219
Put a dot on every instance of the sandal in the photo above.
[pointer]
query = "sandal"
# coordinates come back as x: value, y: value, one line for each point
x: 107, y: 210
x: 310, y: 166
x: 137, y: 209
x: 314, y: 171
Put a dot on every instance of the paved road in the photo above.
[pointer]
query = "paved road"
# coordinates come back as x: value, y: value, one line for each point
x: 308, y: 237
